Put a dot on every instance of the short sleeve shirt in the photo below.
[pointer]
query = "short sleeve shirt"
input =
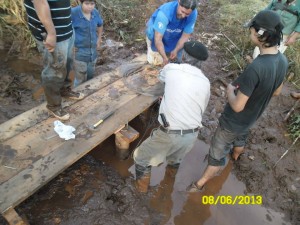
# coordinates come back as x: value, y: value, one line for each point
x: 164, y: 20
x: 259, y: 81
x: 86, y: 34
x: 187, y: 92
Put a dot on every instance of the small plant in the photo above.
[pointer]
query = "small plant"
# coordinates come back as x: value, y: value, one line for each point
x: 294, y: 126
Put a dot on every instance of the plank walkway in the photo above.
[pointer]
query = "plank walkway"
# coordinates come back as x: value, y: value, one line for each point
x: 31, y: 152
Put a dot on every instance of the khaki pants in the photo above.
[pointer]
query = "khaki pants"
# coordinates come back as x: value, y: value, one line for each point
x: 281, y: 47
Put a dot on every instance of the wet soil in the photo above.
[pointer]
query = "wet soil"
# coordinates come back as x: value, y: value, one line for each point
x: 98, y: 189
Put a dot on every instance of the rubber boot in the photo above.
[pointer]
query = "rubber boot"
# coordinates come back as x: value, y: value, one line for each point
x: 171, y: 170
x: 142, y: 175
x: 142, y: 183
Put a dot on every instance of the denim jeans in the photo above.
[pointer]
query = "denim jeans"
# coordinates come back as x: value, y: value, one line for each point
x: 56, y: 67
x: 83, y: 71
x: 221, y: 144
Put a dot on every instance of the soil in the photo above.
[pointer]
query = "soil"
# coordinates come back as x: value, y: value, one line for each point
x: 98, y: 191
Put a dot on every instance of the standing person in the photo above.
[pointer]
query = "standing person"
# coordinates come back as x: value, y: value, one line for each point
x: 289, y: 12
x: 50, y: 24
x: 248, y: 95
x: 168, y: 29
x: 88, y: 27
x: 186, y: 96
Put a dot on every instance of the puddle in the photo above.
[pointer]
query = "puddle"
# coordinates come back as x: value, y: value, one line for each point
x: 179, y: 208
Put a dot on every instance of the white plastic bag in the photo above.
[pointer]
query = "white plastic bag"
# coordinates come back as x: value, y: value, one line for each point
x: 64, y: 131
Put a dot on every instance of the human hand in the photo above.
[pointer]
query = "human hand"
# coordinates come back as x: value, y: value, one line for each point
x: 290, y: 40
x: 99, y: 44
x: 165, y: 61
x: 173, y: 55
x: 50, y: 42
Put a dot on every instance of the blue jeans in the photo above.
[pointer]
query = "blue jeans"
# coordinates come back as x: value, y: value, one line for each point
x: 83, y: 71
x: 56, y: 67
x: 221, y: 144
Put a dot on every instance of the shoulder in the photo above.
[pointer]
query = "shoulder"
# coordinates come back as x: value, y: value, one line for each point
x: 75, y: 9
x: 168, y: 8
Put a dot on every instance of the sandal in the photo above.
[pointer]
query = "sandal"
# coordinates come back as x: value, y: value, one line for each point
x: 193, y: 187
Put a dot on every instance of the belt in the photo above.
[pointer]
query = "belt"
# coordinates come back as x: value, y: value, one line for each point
x: 189, y: 131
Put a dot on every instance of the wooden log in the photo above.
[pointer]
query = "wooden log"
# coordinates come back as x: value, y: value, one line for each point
x: 123, y: 138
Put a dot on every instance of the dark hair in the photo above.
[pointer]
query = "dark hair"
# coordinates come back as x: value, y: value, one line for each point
x: 87, y: 1
x: 269, y: 38
x: 188, y: 4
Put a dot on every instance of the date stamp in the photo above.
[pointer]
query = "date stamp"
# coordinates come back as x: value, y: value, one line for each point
x: 232, y: 200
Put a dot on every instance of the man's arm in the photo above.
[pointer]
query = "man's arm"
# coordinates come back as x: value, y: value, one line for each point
x: 278, y: 90
x: 184, y: 38
x: 237, y: 102
x: 160, y: 47
x: 99, y: 41
x: 43, y: 12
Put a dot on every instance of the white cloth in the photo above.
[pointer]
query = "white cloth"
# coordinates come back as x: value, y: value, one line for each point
x: 64, y: 131
x: 153, y: 58
x: 187, y: 92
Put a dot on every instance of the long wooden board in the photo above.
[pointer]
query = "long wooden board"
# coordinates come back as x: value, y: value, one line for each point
x: 33, y: 157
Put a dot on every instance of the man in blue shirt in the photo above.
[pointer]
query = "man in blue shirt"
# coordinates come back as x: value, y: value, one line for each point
x: 169, y: 27
x: 88, y: 27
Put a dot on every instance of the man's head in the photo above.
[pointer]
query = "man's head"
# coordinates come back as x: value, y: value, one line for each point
x: 185, y: 8
x: 194, y: 53
x: 266, y: 27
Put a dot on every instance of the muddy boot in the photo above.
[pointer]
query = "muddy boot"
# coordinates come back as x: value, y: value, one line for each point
x: 142, y: 184
x: 171, y: 170
x: 143, y: 175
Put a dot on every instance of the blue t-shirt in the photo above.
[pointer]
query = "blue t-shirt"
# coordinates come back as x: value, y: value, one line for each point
x: 164, y: 20
x: 86, y: 34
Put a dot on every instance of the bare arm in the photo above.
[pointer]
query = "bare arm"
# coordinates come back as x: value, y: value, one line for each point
x: 278, y: 90
x: 43, y: 12
x: 237, y: 102
x: 160, y: 47
x: 99, y: 41
x: 184, y: 38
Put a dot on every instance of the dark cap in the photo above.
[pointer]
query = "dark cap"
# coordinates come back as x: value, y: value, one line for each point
x: 196, y: 50
x: 266, y: 19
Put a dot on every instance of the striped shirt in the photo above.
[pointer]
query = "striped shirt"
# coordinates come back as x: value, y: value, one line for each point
x: 61, y: 17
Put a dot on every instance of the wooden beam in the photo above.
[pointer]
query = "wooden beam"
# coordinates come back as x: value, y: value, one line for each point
x: 13, y: 218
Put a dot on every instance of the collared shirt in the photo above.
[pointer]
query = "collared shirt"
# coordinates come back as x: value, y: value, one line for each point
x: 86, y: 34
x: 61, y: 16
x: 187, y: 92
x: 164, y: 20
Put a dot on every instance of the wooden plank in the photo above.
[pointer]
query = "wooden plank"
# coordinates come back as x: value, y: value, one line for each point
x: 29, y: 118
x: 27, y: 181
x: 13, y: 218
x: 26, y: 148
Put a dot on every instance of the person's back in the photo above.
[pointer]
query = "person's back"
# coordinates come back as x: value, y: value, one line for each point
x: 187, y: 92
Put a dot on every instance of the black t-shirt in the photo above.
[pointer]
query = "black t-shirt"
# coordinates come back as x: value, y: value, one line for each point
x: 61, y: 17
x: 259, y: 81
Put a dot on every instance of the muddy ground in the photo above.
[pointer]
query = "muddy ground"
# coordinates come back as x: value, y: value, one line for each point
x: 98, y: 190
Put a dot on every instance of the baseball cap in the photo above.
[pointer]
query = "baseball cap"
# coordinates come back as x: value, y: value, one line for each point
x: 266, y: 19
x: 196, y: 50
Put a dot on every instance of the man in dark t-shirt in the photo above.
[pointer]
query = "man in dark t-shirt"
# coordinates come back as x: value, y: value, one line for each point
x: 248, y: 95
x: 50, y: 24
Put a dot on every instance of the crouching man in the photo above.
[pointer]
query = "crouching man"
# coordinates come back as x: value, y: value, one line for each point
x: 187, y: 92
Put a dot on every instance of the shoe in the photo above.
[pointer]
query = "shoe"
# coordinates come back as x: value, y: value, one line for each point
x: 60, y: 114
x: 142, y: 184
x: 193, y: 187
x: 72, y: 95
x: 295, y: 95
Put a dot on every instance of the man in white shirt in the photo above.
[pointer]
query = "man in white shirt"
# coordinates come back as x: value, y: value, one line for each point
x: 187, y: 92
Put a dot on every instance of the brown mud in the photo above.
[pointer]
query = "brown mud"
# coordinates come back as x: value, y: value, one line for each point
x: 98, y: 189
